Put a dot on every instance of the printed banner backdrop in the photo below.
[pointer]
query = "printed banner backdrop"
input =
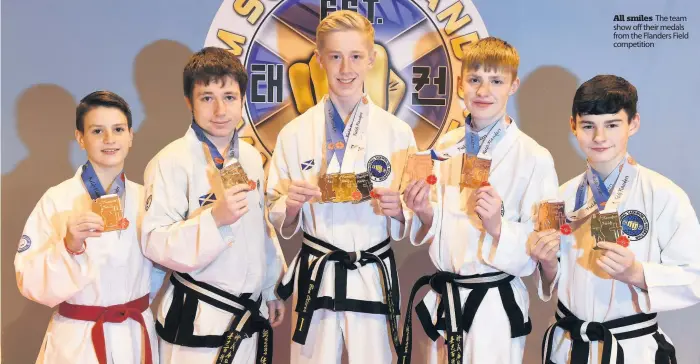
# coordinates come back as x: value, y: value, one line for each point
x: 55, y: 53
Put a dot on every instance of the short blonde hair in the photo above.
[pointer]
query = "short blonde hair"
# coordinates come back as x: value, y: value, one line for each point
x: 341, y: 21
x: 491, y: 53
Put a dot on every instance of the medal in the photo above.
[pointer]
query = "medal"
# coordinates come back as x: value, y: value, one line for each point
x: 606, y: 227
x: 475, y: 171
x: 420, y: 167
x: 107, y: 205
x: 325, y: 184
x: 364, y: 186
x: 110, y: 209
x: 341, y: 183
x: 233, y: 174
x: 344, y: 187
x: 550, y: 215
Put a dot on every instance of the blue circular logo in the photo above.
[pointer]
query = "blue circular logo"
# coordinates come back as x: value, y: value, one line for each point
x: 24, y: 243
x: 634, y: 224
x: 379, y: 168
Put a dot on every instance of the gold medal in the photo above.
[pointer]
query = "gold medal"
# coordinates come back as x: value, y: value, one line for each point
x: 420, y: 167
x: 325, y: 184
x: 475, y: 171
x: 364, y: 186
x: 110, y: 209
x: 234, y: 174
x: 606, y: 227
x: 344, y: 186
x: 550, y: 215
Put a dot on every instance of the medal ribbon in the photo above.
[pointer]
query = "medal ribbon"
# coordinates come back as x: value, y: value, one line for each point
x: 94, y: 187
x: 216, y: 156
x: 351, y: 139
x: 606, y: 195
x: 479, y: 143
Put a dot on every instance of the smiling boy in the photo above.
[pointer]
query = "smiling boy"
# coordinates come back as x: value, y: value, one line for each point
x: 611, y: 287
x: 354, y: 149
x: 477, y: 219
x: 80, y: 250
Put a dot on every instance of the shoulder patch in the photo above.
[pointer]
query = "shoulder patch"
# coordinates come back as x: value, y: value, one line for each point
x: 379, y: 168
x: 634, y: 224
x: 24, y: 243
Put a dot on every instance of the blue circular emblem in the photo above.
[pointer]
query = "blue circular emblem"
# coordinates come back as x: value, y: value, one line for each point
x: 24, y: 243
x: 634, y: 224
x: 379, y: 168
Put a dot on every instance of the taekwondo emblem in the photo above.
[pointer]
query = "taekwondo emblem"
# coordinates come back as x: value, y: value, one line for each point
x: 419, y: 49
x: 379, y: 168
x: 634, y: 224
x: 24, y: 243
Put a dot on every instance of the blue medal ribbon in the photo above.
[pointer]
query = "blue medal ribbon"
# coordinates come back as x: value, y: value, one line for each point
x: 218, y: 158
x: 94, y: 187
x: 334, y: 134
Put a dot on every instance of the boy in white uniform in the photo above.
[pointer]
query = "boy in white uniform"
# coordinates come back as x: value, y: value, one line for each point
x: 335, y: 174
x: 632, y: 249
x: 477, y: 218
x: 80, y: 250
x: 205, y: 219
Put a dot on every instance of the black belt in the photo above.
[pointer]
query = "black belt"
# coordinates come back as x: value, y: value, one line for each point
x: 311, y: 276
x: 609, y: 332
x: 179, y: 321
x: 459, y: 318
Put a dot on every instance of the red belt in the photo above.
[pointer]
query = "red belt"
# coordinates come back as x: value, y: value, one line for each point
x: 114, y: 314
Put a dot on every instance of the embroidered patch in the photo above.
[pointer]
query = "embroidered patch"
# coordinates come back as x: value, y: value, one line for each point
x: 207, y: 199
x: 379, y: 168
x: 24, y: 243
x: 148, y: 202
x: 634, y: 224
x: 308, y: 165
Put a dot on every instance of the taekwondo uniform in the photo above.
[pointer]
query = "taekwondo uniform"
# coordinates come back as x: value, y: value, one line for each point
x: 341, y: 297
x: 102, y: 294
x: 600, y: 319
x: 478, y: 301
x: 214, y: 308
